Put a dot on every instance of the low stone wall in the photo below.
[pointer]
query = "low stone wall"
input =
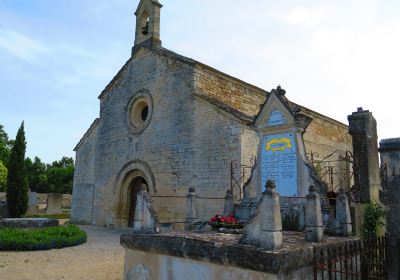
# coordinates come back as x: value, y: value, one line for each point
x: 211, y: 256
x: 28, y: 223
x: 42, y: 199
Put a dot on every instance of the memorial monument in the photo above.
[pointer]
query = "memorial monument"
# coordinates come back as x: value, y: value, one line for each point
x: 282, y: 155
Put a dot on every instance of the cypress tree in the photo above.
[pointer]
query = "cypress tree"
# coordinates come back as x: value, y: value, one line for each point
x: 17, y: 183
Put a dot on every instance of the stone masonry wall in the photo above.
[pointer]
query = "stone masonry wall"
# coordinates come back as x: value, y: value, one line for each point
x: 84, y: 178
x: 249, y: 149
x: 217, y: 143
x: 325, y: 136
x: 165, y: 145
x: 235, y: 93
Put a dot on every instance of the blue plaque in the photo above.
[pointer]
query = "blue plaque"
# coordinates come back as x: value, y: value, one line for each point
x: 279, y: 162
x: 276, y: 118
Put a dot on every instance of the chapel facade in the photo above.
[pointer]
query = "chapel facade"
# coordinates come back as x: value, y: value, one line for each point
x: 172, y: 124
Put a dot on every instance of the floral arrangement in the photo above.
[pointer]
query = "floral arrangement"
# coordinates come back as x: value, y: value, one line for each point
x: 219, y: 221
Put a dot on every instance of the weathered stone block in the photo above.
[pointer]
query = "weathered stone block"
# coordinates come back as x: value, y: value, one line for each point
x: 54, y: 204
x: 343, y: 214
x: 265, y: 227
x: 313, y: 217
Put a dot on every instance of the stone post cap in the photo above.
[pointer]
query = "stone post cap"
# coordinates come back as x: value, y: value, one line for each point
x: 192, y: 190
x: 270, y: 186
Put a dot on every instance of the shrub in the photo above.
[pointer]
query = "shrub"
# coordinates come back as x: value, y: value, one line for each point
x: 373, y: 215
x: 41, y: 239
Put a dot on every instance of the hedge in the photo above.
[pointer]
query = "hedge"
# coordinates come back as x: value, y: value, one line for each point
x: 41, y: 239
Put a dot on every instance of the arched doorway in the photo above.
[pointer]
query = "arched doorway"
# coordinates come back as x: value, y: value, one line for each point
x: 124, y: 183
x: 134, y: 188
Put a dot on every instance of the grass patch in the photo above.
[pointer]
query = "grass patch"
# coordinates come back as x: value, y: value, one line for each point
x: 55, y: 216
x: 41, y: 239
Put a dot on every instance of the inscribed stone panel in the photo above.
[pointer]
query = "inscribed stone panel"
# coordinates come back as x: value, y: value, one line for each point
x: 279, y: 162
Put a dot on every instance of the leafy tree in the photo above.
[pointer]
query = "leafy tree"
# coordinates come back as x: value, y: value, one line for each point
x: 60, y: 175
x: 36, y: 173
x: 5, y: 146
x: 64, y: 162
x: 3, y: 177
x: 17, y: 183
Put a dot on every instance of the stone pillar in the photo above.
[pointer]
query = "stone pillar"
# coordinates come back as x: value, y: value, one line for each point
x: 343, y: 214
x: 389, y: 150
x: 390, y: 175
x: 191, y: 209
x: 313, y: 216
x: 362, y: 127
x: 54, y: 204
x: 229, y: 207
x: 145, y: 217
x: 265, y: 228
x: 391, y: 198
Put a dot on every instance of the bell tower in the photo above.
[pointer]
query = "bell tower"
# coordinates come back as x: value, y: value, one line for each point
x: 148, y: 24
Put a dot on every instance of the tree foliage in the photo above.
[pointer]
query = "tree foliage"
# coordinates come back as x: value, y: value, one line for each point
x: 17, y: 183
x: 5, y: 146
x: 3, y: 177
x: 60, y: 175
x: 56, y: 177
x: 50, y: 178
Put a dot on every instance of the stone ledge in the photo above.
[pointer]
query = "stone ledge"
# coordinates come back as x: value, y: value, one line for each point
x: 224, y: 249
x: 28, y: 223
x: 389, y: 144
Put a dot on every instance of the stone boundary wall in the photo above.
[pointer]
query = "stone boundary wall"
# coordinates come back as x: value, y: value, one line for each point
x: 221, y: 256
x: 42, y: 199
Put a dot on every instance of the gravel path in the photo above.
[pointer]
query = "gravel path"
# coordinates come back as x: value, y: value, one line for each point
x: 101, y: 258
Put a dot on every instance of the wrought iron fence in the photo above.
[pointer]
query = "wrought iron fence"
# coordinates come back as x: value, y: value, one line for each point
x: 335, y: 169
x: 240, y: 174
x: 356, y: 260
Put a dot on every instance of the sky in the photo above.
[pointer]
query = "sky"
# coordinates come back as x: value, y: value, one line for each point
x: 330, y: 56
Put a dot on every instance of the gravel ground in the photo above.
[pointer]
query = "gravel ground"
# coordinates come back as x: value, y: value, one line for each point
x: 101, y: 258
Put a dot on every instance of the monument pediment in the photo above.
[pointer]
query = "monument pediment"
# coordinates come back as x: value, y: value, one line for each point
x: 275, y: 112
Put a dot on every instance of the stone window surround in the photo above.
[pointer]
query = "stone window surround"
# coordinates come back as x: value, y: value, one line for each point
x: 133, y: 113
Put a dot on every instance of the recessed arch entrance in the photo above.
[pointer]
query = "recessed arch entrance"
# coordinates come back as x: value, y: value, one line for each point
x: 127, y: 185
x: 134, y: 187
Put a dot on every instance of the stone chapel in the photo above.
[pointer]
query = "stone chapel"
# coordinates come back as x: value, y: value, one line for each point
x: 171, y: 123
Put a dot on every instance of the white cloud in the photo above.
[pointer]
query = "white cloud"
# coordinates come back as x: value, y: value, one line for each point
x: 303, y: 17
x: 21, y: 46
x: 64, y: 64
